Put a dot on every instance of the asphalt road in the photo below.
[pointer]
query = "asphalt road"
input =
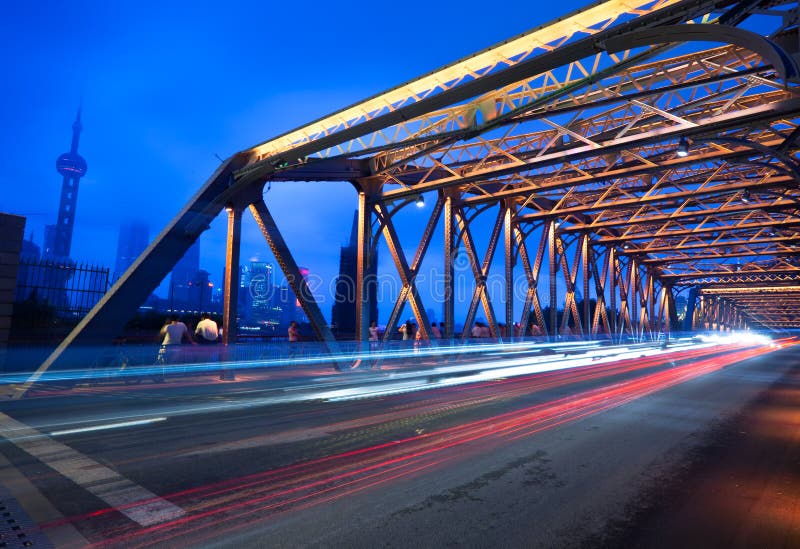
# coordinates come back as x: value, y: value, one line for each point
x: 573, y: 458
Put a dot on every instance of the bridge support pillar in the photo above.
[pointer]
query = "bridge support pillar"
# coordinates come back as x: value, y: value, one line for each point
x: 553, y: 270
x: 362, y: 266
x: 231, y: 291
x: 449, y: 266
x: 586, y: 249
x: 230, y: 298
x: 508, y: 233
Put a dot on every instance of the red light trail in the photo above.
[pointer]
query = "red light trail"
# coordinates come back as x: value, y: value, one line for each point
x: 237, y: 503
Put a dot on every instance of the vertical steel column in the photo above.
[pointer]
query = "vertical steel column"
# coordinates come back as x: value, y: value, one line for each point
x: 700, y: 316
x: 672, y: 311
x: 714, y: 314
x: 625, y: 299
x: 231, y: 292
x: 362, y: 266
x: 611, y: 258
x: 587, y: 321
x: 728, y: 315
x: 509, y: 249
x: 633, y: 297
x: 551, y: 243
x: 651, y: 289
x: 449, y: 266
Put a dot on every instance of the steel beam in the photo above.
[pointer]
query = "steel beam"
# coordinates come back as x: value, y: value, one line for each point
x: 408, y: 274
x: 363, y: 260
x: 553, y: 271
x: 294, y: 277
x: 480, y: 271
x: 510, y: 256
x: 230, y: 298
x: 587, y: 260
x: 450, y: 252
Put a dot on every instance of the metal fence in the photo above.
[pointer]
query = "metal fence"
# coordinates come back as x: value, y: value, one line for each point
x: 69, y: 289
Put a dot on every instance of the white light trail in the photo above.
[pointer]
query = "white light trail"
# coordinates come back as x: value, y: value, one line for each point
x: 108, y: 426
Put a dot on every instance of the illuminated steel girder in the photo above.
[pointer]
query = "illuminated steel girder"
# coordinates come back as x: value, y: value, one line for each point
x: 571, y: 133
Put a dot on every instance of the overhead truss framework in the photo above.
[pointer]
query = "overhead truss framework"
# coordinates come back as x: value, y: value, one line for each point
x: 620, y: 160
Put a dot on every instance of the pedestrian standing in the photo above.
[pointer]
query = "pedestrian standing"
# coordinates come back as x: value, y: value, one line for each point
x: 373, y: 335
x: 294, y: 336
x: 407, y: 329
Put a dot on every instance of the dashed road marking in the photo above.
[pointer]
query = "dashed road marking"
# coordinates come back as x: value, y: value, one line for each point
x: 130, y: 499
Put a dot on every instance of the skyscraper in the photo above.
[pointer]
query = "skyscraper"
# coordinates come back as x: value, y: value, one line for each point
x: 343, y: 315
x: 133, y: 239
x: 71, y: 166
x: 183, y: 275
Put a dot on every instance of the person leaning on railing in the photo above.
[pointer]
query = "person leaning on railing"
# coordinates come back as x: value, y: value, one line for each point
x: 206, y: 330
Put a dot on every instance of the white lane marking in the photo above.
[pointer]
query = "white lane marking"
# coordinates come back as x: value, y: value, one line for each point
x: 108, y: 426
x: 132, y: 500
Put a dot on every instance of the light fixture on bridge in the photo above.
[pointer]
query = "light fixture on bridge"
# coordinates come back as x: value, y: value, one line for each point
x: 420, y: 201
x: 746, y: 196
x: 683, y: 147
x: 229, y: 207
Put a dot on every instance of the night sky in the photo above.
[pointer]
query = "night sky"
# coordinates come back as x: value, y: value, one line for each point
x: 167, y: 87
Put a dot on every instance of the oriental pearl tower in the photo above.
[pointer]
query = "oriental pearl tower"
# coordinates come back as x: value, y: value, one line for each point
x: 72, y: 167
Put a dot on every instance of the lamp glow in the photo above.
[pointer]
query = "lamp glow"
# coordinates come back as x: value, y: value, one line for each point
x: 683, y: 147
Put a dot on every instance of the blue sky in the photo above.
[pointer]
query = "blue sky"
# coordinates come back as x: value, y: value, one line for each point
x: 169, y: 86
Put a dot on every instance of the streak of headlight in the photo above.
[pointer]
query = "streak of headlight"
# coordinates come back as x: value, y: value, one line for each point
x: 108, y: 426
x: 225, y: 505
x: 485, y: 371
x: 420, y: 380
x: 744, y: 338
x: 204, y: 367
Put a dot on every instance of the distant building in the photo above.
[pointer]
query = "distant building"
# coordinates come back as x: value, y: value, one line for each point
x: 29, y: 256
x: 71, y: 166
x: 183, y: 274
x: 343, y: 314
x: 133, y: 240
x: 13, y: 230
x: 261, y: 289
x: 53, y: 280
x: 200, y: 292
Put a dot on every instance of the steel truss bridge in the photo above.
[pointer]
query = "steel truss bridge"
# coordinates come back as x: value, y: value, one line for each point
x: 613, y: 146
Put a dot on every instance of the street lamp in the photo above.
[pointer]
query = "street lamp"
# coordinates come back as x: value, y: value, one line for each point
x: 420, y: 201
x: 683, y: 147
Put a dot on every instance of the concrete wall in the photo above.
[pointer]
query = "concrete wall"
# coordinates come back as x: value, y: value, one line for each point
x: 12, y: 231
